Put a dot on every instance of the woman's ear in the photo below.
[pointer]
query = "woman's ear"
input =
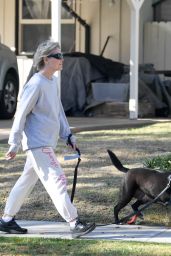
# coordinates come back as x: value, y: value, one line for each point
x: 45, y: 59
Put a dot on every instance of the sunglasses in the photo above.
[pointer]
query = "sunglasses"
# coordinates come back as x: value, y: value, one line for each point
x: 58, y: 56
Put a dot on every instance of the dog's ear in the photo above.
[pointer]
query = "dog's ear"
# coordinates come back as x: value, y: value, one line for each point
x: 116, y: 162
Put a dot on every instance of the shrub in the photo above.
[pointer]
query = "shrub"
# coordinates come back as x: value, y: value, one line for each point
x: 159, y: 162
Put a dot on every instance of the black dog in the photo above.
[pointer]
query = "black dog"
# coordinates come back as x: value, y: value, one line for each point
x: 140, y: 183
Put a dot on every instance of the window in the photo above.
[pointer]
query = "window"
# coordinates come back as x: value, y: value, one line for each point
x: 35, y: 26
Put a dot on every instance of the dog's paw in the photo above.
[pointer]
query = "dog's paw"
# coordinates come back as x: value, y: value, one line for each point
x: 132, y: 220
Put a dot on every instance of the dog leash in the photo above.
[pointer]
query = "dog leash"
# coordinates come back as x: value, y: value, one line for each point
x: 76, y: 168
x: 147, y: 204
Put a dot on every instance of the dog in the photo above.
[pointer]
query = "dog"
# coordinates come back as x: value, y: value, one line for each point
x: 141, y: 183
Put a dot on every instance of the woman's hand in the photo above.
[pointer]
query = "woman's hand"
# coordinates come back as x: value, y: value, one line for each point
x: 10, y: 155
x: 71, y: 141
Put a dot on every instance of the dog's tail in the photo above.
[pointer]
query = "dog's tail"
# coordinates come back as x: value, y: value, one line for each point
x: 116, y: 162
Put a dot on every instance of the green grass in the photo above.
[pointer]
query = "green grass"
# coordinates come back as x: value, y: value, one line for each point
x: 36, y: 246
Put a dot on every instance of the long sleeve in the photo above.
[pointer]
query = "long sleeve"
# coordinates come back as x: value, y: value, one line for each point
x: 64, y: 125
x: 28, y: 100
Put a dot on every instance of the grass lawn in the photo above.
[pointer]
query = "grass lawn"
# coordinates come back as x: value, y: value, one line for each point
x: 96, y: 193
x: 19, y: 246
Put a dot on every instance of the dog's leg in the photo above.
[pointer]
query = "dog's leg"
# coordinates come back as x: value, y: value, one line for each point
x: 125, y: 196
x: 135, y: 207
x: 137, y: 214
x: 116, y: 217
x: 119, y: 206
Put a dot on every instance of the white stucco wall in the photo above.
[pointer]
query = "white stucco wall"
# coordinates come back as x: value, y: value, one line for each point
x: 7, y: 22
x: 90, y: 12
x: 110, y: 26
x: 1, y: 20
x: 125, y: 32
x: 104, y: 20
x: 146, y: 15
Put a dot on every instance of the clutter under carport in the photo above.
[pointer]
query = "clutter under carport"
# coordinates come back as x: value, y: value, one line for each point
x: 92, y: 85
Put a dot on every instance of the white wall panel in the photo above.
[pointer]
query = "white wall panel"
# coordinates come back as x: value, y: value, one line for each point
x: 160, y: 64
x: 157, y: 42
x: 7, y: 22
x: 110, y: 26
x: 147, y: 43
x: 168, y: 46
x: 125, y: 32
x: 90, y: 12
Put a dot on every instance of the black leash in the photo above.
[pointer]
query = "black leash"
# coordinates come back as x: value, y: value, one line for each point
x: 147, y: 204
x: 76, y: 168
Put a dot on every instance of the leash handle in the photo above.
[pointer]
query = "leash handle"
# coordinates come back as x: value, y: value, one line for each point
x: 69, y: 142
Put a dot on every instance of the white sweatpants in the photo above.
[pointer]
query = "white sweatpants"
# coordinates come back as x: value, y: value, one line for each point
x: 42, y: 163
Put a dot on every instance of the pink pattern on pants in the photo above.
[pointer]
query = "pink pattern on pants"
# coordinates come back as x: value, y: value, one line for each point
x: 63, y: 179
x: 54, y: 162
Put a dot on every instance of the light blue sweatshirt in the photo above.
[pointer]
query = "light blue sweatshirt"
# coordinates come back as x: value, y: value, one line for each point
x: 40, y: 119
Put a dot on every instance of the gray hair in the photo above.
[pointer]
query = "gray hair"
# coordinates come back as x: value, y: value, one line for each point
x: 43, y: 50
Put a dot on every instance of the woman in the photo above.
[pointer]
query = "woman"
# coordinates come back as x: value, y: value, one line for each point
x: 39, y: 122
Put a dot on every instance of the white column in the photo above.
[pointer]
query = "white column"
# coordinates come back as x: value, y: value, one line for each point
x: 135, y: 6
x: 56, y: 20
x: 56, y: 27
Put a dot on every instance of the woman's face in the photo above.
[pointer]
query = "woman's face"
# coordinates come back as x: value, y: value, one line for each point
x: 54, y: 61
